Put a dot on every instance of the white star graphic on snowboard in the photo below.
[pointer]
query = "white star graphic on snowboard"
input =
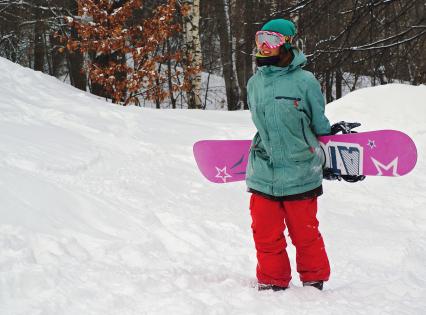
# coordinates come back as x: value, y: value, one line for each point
x: 221, y: 173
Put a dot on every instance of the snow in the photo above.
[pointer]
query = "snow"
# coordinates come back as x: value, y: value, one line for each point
x: 104, y: 212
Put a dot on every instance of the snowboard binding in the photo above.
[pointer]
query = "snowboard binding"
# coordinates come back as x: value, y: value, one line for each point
x: 345, y: 128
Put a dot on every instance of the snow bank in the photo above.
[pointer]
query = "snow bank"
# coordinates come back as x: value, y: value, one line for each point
x: 104, y: 212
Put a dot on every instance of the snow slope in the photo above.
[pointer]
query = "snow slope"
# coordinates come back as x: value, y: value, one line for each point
x: 102, y: 211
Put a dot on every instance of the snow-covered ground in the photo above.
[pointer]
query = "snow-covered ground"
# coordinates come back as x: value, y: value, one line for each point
x: 102, y: 211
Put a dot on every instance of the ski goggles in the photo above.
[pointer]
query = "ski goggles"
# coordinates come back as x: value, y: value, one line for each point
x: 271, y: 39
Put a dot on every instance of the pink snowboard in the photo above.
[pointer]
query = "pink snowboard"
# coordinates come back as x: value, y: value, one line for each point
x: 373, y: 153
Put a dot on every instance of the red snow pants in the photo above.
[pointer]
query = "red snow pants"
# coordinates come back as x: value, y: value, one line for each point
x: 269, y: 220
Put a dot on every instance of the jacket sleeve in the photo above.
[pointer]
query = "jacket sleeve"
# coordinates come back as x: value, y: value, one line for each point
x: 319, y: 122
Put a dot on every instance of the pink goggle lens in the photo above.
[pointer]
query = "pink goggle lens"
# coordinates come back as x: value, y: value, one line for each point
x: 271, y: 39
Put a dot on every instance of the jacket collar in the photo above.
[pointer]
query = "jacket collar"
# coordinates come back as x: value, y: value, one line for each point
x: 299, y: 61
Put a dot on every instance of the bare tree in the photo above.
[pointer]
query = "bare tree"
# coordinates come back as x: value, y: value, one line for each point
x: 245, y: 15
x: 193, y: 50
x: 222, y: 14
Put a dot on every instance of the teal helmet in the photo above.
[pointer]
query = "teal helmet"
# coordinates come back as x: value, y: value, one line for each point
x: 282, y: 26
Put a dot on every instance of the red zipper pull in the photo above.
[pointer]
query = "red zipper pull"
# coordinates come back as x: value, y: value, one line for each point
x: 296, y: 104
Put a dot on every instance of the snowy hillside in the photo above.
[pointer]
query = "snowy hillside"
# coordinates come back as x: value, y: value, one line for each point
x: 102, y: 211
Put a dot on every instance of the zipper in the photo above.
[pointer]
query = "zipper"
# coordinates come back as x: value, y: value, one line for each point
x: 304, y: 136
x: 288, y: 98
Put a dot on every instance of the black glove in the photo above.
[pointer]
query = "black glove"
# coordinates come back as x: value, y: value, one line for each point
x: 329, y: 175
x: 344, y: 127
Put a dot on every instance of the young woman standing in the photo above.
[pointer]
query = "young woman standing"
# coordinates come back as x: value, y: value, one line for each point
x: 285, y: 172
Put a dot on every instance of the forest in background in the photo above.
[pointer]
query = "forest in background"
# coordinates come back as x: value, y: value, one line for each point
x: 133, y: 51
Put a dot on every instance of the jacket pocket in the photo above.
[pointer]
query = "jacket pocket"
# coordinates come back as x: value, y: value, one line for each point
x: 259, y: 168
x: 301, y: 148
x: 258, y: 148
x: 295, y: 102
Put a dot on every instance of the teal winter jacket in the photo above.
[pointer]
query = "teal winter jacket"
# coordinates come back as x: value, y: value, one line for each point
x: 287, y: 108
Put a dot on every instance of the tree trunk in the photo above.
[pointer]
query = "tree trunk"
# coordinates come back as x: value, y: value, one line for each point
x: 232, y: 91
x: 57, y: 57
x: 339, y: 82
x: 76, y: 64
x: 76, y: 60
x: 245, y: 43
x: 329, y: 86
x: 169, y: 79
x: 39, y: 51
x: 193, y: 51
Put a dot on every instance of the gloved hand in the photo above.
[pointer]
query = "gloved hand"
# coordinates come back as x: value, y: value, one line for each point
x: 329, y: 175
x: 344, y: 127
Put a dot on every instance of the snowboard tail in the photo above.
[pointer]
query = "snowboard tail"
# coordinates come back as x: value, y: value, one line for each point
x: 374, y: 153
